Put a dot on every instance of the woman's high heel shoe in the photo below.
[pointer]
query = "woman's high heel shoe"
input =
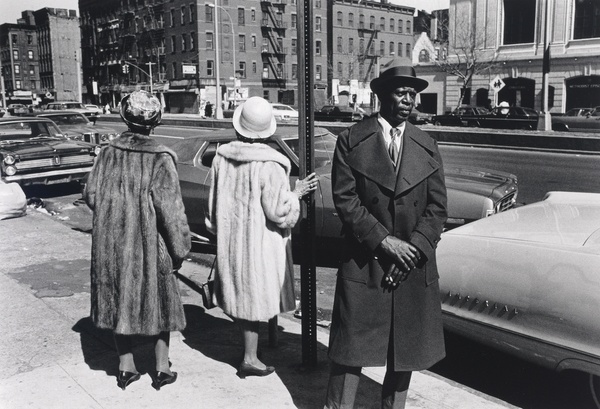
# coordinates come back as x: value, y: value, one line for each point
x: 161, y: 379
x: 125, y: 378
x: 250, y: 370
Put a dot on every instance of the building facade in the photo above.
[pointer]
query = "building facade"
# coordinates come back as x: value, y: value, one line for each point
x: 514, y: 32
x: 364, y: 36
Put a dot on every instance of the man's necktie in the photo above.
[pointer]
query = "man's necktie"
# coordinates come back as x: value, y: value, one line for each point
x: 393, y: 148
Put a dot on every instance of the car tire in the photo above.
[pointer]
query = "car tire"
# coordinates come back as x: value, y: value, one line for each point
x: 437, y: 123
x: 472, y: 124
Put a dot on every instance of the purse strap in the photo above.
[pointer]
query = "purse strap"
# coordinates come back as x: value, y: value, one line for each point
x: 212, y: 268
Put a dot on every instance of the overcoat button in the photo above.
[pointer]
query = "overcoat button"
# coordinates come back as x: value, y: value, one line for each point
x: 375, y: 200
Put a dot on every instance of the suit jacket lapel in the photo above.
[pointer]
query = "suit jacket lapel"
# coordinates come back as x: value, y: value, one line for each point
x: 416, y: 162
x: 368, y: 154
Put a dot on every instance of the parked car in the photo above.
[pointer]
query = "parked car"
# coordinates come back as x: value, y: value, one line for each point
x: 2, y: 111
x: 589, y: 122
x: 78, y: 127
x: 578, y: 111
x: 472, y: 194
x: 34, y: 151
x: 284, y: 112
x: 17, y: 109
x: 417, y: 117
x: 337, y: 113
x: 526, y: 282
x: 461, y: 116
x: 94, y: 108
x: 72, y: 106
x: 507, y: 118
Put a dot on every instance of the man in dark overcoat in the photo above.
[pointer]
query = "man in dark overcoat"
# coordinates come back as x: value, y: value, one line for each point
x: 389, y: 191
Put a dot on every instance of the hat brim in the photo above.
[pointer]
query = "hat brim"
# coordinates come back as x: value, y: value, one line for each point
x: 248, y: 133
x: 379, y: 84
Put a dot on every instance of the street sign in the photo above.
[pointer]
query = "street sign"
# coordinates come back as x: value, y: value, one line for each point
x: 188, y: 69
x: 497, y: 84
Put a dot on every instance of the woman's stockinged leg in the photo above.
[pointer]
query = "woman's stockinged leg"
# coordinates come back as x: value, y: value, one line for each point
x: 125, y: 351
x: 161, y: 351
x: 250, y: 334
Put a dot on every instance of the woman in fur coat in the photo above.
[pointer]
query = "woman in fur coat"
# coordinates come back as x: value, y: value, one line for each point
x: 252, y: 211
x: 140, y: 236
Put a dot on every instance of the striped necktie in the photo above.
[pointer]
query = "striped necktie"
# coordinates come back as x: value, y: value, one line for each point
x: 393, y: 148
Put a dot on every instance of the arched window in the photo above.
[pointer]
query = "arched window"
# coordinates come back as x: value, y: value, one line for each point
x: 340, y: 19
x: 392, y: 25
x: 392, y: 48
x: 399, y: 49
x: 382, y: 23
x: 408, y: 50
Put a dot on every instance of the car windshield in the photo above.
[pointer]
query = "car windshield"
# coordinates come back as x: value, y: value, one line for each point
x: 69, y: 119
x: 21, y: 131
x: 73, y: 105
x: 324, y: 146
x: 282, y: 108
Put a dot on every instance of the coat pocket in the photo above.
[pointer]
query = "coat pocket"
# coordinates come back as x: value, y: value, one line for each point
x: 351, y: 272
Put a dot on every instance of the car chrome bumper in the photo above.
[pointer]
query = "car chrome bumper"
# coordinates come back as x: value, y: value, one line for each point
x: 43, y: 177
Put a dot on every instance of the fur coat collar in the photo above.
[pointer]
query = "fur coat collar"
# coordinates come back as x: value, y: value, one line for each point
x: 254, y: 152
x: 136, y: 142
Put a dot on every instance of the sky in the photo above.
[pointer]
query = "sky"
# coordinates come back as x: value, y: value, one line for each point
x: 10, y: 10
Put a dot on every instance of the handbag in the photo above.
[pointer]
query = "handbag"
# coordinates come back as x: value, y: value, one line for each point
x: 207, y: 289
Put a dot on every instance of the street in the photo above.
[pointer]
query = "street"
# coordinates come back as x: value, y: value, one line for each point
x: 488, y: 371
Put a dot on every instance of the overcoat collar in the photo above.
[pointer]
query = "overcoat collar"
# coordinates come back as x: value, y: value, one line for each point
x: 368, y: 155
x: 131, y: 141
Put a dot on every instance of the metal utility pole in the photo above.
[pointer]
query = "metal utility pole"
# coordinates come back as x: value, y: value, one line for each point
x: 308, y: 279
x: 546, y: 69
x: 150, y: 64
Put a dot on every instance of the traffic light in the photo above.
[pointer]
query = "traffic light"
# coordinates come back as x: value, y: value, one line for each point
x: 125, y: 68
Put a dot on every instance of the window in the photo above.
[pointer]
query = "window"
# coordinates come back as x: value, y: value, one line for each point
x: 350, y: 19
x: 339, y: 45
x: 173, y: 44
x: 241, y: 70
x: 294, y: 20
x: 361, y: 45
x: 210, y: 66
x: 265, y: 71
x: 381, y: 48
x: 392, y: 25
x: 294, y: 71
x: 266, y: 94
x: 400, y: 23
x: 192, y: 41
x: 182, y: 15
x: 242, y: 42
x: 174, y: 70
x: 253, y: 40
x: 253, y: 15
x: 400, y: 46
x: 372, y: 22
x: 294, y: 46
x: 31, y: 70
x: 318, y: 47
x: 318, y: 72
x: 265, y: 45
x: 361, y: 21
x: 14, y: 38
x: 30, y: 54
x: 317, y: 23
x: 16, y: 54
x: 350, y: 45
x: 184, y: 42
x: 208, y: 14
x: 17, y: 69
x: 423, y: 56
x: 18, y: 84
x: 192, y: 13
x: 392, y: 48
x: 241, y: 17
x: 382, y: 23
x: 519, y: 21
x: 318, y: 4
x: 587, y: 20
x: 407, y: 26
x: 253, y: 67
x: 29, y: 39
x: 361, y: 70
x: 209, y: 41
x: 340, y: 70
x: 340, y: 19
x: 408, y: 50
x: 171, y: 13
x: 33, y: 85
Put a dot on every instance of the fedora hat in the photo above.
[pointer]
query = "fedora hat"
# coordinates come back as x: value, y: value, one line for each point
x: 399, y: 73
x: 254, y: 119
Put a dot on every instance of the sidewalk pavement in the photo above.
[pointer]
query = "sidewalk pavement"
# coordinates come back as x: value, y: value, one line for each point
x: 53, y: 357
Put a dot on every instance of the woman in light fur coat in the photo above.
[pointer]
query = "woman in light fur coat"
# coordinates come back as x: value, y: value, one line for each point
x: 252, y: 211
x: 140, y: 235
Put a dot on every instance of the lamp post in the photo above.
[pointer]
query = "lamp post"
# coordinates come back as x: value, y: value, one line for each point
x: 232, y: 47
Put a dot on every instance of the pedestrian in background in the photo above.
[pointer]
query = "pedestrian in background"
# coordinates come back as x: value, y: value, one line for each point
x: 389, y: 191
x: 208, y: 110
x: 252, y: 211
x: 140, y: 236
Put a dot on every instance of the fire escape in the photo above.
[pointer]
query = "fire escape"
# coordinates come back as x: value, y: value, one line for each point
x: 273, y: 53
x: 368, y: 53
